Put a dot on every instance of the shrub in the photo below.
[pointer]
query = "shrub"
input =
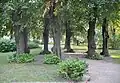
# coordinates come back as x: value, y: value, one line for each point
x: 115, y: 42
x: 33, y: 45
x: 51, y: 59
x: 21, y: 58
x: 36, y: 41
x: 7, y: 45
x: 96, y: 57
x: 73, y: 69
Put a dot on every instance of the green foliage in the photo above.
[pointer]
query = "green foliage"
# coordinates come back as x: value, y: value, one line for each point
x: 51, y: 59
x: 33, y: 45
x: 27, y: 13
x: 96, y: 57
x: 115, y: 42
x: 21, y: 58
x: 36, y: 41
x: 7, y: 45
x: 73, y: 69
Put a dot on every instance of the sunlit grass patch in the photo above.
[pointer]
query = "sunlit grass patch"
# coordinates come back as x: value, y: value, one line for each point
x: 115, y: 56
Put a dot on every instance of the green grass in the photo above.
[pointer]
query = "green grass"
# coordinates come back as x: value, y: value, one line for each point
x: 35, y: 72
x: 115, y: 54
x: 27, y: 72
x: 4, y: 56
x: 83, y: 48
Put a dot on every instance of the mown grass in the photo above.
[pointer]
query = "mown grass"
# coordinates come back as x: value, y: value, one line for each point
x: 83, y: 48
x: 4, y: 56
x: 115, y: 54
x: 27, y: 72
x: 32, y: 72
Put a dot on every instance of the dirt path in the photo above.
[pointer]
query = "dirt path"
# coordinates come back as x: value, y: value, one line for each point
x: 104, y: 72
x: 101, y: 71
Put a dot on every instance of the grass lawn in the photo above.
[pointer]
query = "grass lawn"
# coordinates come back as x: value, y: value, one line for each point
x: 28, y: 72
x: 83, y: 48
x: 32, y: 72
x: 4, y: 56
x: 115, y: 54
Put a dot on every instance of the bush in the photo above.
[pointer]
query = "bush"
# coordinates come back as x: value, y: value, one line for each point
x: 51, y: 59
x: 96, y: 57
x: 33, y: 45
x: 21, y: 58
x: 7, y: 45
x: 73, y: 69
x: 36, y: 41
x: 115, y: 42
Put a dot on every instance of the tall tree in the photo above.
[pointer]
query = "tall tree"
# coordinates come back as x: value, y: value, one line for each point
x: 91, y: 30
x: 21, y: 34
x: 20, y: 14
x: 46, y: 16
x: 68, y: 37
x: 55, y: 24
x: 105, y: 37
x: 67, y: 17
x: 109, y: 13
x: 91, y: 34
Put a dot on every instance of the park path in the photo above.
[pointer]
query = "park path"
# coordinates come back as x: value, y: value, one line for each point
x: 100, y: 71
x: 104, y: 72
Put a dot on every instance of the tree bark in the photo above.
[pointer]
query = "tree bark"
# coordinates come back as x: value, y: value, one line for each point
x: 46, y: 35
x: 25, y: 35
x: 56, y: 38
x: 114, y: 46
x: 21, y: 39
x: 105, y: 38
x: 91, y: 33
x: 55, y: 28
x: 20, y: 33
x: 91, y: 38
x: 68, y: 37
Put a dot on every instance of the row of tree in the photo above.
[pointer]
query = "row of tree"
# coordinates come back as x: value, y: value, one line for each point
x: 26, y: 18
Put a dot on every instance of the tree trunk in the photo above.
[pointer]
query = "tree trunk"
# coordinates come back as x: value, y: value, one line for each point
x: 56, y: 38
x: 105, y: 38
x: 46, y: 36
x: 114, y: 46
x: 20, y: 33
x: 77, y: 42
x: 113, y: 33
x: 21, y: 39
x: 56, y: 29
x: 25, y: 35
x: 91, y: 38
x: 68, y: 37
x: 91, y: 33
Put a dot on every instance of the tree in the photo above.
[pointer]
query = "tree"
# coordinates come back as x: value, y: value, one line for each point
x: 105, y: 37
x: 21, y: 36
x: 20, y: 14
x: 55, y: 24
x: 68, y: 37
x: 67, y: 17
x: 108, y: 15
x: 91, y: 34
